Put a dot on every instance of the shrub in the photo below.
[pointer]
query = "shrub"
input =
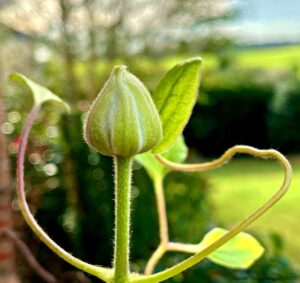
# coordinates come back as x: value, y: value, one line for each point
x: 231, y: 110
x: 284, y: 117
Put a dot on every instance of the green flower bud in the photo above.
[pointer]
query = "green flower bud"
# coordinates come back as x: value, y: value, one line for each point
x: 123, y: 120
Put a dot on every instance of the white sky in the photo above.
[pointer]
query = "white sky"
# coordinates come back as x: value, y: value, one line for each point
x: 262, y: 21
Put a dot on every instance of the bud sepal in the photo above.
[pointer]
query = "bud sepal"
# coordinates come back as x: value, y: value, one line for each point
x: 123, y: 120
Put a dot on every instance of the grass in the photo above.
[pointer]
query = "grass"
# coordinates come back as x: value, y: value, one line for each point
x: 271, y: 58
x: 244, y: 184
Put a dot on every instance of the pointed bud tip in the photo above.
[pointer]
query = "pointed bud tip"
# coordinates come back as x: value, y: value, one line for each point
x: 119, y: 69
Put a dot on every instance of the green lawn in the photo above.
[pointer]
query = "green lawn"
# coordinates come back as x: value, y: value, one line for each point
x: 273, y: 58
x: 270, y: 58
x: 244, y: 184
x: 280, y: 58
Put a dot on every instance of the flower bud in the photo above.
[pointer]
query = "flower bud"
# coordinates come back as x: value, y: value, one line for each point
x: 123, y: 120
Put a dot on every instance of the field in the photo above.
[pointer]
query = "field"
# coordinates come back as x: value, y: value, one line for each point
x: 272, y: 59
x: 284, y: 57
x: 244, y: 184
x: 275, y: 57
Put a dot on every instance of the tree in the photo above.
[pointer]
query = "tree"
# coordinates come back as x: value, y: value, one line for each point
x: 7, y: 253
x: 113, y: 27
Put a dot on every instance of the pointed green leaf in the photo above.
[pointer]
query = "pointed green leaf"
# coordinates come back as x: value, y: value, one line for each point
x: 176, y: 153
x: 239, y: 253
x: 40, y: 93
x: 175, y: 97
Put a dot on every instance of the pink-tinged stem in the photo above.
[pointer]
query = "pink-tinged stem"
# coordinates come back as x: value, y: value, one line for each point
x: 100, y: 272
x: 20, y: 162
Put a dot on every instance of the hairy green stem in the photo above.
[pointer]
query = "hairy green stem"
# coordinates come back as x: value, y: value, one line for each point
x: 122, y: 218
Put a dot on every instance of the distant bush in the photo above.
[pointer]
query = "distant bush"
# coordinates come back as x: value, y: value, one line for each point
x: 232, y: 109
x: 284, y: 118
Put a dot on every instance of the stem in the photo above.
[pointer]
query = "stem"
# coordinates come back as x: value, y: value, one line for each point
x: 184, y: 248
x: 163, y: 226
x: 31, y: 260
x: 100, y: 272
x: 154, y: 259
x: 162, y: 212
x: 122, y: 216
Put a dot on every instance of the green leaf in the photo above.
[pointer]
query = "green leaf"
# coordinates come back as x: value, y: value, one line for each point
x: 40, y: 93
x: 238, y: 253
x: 176, y: 153
x: 175, y: 97
x: 154, y: 168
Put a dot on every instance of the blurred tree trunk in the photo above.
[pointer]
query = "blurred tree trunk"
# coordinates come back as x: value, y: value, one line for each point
x: 8, y: 272
x: 66, y: 41
x: 114, y: 32
x: 92, y: 69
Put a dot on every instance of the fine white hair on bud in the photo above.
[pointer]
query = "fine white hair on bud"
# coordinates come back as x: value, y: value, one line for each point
x: 123, y: 120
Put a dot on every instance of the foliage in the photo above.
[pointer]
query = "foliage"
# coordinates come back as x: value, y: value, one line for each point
x: 229, y: 248
x: 239, y: 252
x: 231, y: 110
x: 271, y: 267
x: 222, y: 91
x: 94, y: 208
x: 68, y: 201
x: 284, y: 117
x: 174, y: 98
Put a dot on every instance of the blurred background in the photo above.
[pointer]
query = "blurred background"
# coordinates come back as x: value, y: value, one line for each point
x: 250, y: 94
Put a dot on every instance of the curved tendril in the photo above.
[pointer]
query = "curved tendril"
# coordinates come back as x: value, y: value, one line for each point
x: 171, y: 272
x: 100, y: 272
x: 184, y: 248
x: 269, y: 153
x: 154, y: 259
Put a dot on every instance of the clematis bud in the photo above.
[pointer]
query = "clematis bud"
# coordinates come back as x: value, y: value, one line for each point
x: 123, y: 120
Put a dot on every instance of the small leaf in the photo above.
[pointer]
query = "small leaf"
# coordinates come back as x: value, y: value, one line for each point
x: 176, y: 153
x: 175, y: 97
x: 154, y: 168
x: 239, y: 253
x: 40, y: 93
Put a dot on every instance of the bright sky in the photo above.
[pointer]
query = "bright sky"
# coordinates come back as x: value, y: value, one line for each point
x: 262, y: 21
